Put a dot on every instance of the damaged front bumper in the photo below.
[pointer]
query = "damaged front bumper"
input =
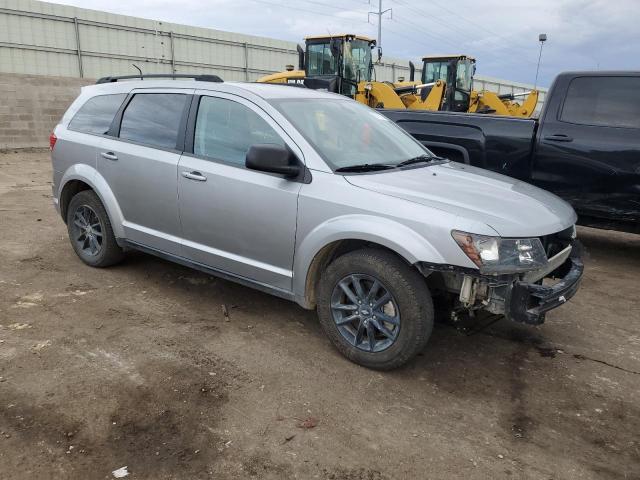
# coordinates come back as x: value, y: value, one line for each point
x: 529, y: 302
x: 524, y: 298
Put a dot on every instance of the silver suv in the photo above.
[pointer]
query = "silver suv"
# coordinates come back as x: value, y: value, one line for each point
x: 312, y: 197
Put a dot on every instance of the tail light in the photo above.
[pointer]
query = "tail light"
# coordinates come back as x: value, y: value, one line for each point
x: 52, y: 140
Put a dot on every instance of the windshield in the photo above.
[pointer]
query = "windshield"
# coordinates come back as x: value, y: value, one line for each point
x: 357, y: 61
x: 347, y: 133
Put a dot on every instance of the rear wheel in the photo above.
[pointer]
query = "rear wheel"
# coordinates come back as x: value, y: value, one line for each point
x: 375, y: 308
x: 90, y: 231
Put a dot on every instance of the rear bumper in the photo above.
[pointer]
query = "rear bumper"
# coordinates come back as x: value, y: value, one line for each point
x: 529, y: 302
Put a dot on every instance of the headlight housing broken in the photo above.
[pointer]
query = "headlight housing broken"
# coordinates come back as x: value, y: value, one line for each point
x: 496, y: 255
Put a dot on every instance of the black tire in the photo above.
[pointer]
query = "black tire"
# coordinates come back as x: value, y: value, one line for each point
x: 109, y: 252
x: 409, y: 291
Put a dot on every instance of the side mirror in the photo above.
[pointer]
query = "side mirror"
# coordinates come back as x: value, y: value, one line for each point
x: 271, y: 158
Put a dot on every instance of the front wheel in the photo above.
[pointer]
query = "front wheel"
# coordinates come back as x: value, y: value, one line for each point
x: 375, y: 308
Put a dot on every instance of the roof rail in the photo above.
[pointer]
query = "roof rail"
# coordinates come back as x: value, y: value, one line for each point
x: 285, y: 84
x: 201, y: 78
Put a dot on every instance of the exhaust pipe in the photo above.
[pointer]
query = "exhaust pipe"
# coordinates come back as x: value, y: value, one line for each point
x: 300, y: 57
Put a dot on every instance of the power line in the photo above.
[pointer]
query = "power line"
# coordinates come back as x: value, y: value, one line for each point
x: 439, y: 39
x: 339, y: 8
x: 473, y: 23
x: 433, y: 19
x: 430, y: 17
x: 417, y: 28
x: 290, y: 7
x: 413, y: 40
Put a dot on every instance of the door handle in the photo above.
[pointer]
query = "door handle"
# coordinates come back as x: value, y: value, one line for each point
x: 194, y: 176
x: 559, y: 137
x: 109, y: 155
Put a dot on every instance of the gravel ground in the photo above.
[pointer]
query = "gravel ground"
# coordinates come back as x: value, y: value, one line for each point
x: 138, y: 366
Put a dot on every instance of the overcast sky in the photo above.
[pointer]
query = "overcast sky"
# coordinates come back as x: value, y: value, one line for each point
x: 501, y: 34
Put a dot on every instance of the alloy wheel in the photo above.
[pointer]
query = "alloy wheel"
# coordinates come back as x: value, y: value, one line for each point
x: 365, y: 312
x: 87, y: 231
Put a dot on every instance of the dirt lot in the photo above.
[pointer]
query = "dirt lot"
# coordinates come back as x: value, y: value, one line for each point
x: 138, y: 366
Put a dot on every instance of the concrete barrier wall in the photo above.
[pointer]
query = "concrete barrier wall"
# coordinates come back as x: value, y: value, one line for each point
x: 31, y: 105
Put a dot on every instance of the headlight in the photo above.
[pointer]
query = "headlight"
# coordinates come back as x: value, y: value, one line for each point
x: 501, y: 255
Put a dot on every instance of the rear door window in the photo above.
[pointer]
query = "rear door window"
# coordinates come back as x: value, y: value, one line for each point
x: 225, y: 130
x: 603, y: 101
x: 153, y: 119
x: 96, y: 115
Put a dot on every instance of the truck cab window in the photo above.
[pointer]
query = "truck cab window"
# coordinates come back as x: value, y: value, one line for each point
x: 603, y: 101
x: 436, y: 71
x: 320, y: 60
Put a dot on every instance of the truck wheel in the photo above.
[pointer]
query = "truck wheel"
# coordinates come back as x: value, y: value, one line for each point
x: 90, y: 231
x: 375, y: 308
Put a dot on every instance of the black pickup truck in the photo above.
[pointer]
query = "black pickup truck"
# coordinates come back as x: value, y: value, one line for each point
x: 585, y: 146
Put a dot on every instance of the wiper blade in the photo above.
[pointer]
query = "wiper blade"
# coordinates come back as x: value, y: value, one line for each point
x: 365, y: 167
x: 418, y: 159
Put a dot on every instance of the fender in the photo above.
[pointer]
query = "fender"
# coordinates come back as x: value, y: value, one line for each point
x: 397, y: 237
x: 90, y: 176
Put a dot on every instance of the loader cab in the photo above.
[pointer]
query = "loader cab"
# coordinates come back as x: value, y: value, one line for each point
x: 342, y: 61
x: 457, y: 72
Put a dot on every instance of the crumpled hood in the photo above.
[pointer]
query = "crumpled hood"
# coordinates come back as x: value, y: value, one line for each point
x: 511, y: 207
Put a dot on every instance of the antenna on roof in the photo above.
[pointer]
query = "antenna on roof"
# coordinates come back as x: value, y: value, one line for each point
x: 139, y: 70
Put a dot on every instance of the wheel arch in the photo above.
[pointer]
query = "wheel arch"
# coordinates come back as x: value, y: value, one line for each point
x: 81, y: 177
x: 338, y: 236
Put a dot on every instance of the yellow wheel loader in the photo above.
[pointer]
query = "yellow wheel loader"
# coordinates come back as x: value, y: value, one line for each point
x: 343, y: 64
x: 457, y: 72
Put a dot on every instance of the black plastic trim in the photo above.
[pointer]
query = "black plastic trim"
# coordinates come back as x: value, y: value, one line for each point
x: 190, y: 127
x: 114, y: 129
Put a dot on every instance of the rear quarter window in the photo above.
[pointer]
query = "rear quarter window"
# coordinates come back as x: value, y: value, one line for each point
x: 603, y: 101
x: 96, y: 115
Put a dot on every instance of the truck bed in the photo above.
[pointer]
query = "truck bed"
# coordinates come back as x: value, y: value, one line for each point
x: 501, y: 144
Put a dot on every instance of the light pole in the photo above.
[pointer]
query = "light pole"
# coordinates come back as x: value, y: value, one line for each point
x: 541, y: 38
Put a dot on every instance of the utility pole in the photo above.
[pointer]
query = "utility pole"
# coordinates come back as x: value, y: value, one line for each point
x: 379, y: 14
